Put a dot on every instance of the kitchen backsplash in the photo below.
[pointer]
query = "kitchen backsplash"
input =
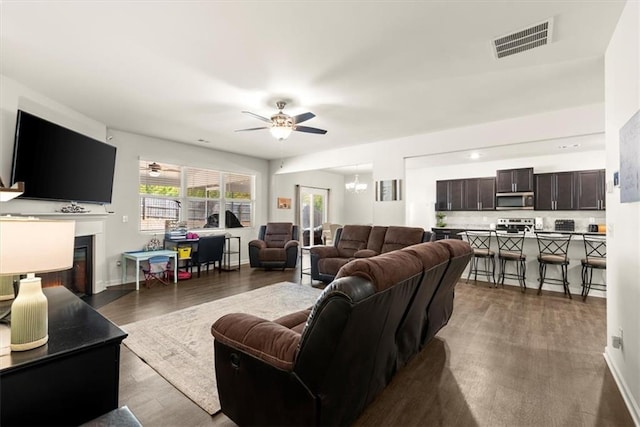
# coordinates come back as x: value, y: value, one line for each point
x: 468, y: 219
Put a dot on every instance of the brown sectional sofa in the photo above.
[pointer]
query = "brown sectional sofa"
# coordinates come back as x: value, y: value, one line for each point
x: 361, y: 241
x: 324, y: 365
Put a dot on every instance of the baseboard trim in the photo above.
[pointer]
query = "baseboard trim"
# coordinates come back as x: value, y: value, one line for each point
x: 632, y: 405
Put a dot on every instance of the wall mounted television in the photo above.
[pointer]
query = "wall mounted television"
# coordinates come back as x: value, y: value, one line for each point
x: 56, y: 163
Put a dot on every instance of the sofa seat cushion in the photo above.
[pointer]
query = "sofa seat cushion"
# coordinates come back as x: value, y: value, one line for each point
x: 384, y: 270
x: 272, y: 254
x: 401, y: 237
x: 331, y: 266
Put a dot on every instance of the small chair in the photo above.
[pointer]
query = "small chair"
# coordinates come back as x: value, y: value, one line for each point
x: 595, y: 247
x: 553, y: 248
x: 510, y: 250
x: 156, y: 270
x: 480, y: 242
x: 210, y: 251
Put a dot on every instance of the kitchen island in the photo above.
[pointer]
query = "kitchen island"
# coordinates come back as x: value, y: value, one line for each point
x: 530, y: 249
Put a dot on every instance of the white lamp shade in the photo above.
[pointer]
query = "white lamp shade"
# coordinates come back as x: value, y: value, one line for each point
x: 32, y: 245
x: 280, y: 132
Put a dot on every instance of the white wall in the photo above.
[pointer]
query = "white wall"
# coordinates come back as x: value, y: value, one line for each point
x: 119, y: 236
x: 133, y: 147
x: 358, y: 207
x: 388, y: 157
x: 622, y: 100
x: 421, y: 187
x: 284, y: 185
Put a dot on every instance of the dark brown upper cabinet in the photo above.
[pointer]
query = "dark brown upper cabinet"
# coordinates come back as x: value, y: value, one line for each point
x: 480, y: 194
x: 514, y: 180
x: 450, y: 195
x: 591, y: 189
x: 555, y: 191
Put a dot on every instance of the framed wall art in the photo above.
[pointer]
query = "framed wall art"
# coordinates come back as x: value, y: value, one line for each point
x: 284, y: 203
x: 389, y: 190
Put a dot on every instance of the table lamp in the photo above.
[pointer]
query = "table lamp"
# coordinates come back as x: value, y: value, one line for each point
x: 28, y: 246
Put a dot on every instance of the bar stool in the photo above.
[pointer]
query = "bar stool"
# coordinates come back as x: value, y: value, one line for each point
x: 510, y: 250
x: 595, y: 247
x: 480, y: 242
x: 553, y: 249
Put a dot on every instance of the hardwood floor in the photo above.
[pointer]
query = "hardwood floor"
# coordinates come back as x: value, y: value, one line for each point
x: 504, y: 359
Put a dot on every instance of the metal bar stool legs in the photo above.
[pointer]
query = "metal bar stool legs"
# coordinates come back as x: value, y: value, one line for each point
x: 595, y: 247
x: 510, y: 250
x: 553, y: 251
x: 480, y: 242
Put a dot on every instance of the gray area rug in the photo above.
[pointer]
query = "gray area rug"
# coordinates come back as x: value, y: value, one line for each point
x: 179, y: 345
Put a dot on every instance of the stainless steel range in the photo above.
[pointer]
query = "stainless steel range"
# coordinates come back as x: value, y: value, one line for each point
x: 515, y: 224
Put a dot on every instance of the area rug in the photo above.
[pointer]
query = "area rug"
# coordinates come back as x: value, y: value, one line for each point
x: 179, y: 345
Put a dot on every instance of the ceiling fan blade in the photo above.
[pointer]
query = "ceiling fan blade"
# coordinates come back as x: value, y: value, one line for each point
x: 309, y: 129
x: 264, y: 119
x: 242, y: 130
x: 302, y: 117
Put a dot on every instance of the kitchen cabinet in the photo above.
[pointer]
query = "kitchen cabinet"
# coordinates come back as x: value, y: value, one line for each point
x: 591, y: 189
x: 555, y: 191
x: 450, y: 195
x: 480, y: 194
x: 514, y: 180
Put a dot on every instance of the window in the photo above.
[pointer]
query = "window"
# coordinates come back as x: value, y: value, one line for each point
x: 194, y: 196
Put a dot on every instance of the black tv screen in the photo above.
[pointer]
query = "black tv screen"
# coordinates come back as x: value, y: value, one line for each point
x: 56, y: 163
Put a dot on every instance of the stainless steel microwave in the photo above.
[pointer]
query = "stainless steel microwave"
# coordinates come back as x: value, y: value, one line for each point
x: 514, y: 201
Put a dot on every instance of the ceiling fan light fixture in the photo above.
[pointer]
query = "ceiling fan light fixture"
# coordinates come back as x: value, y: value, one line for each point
x: 154, y: 170
x: 280, y: 132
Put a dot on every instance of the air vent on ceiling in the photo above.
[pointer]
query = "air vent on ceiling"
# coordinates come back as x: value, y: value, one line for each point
x: 522, y: 40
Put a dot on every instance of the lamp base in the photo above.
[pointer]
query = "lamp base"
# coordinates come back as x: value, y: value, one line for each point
x: 29, y: 316
x: 30, y: 345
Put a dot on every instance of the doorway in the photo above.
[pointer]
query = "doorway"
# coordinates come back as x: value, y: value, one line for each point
x: 313, y: 212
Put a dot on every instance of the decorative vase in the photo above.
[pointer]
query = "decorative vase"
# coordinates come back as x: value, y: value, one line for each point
x: 29, y: 316
x: 6, y: 288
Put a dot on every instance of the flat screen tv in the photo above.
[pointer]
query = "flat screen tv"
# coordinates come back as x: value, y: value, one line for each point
x: 56, y: 163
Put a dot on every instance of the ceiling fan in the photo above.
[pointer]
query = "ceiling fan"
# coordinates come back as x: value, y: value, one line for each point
x: 281, y: 125
x: 154, y: 169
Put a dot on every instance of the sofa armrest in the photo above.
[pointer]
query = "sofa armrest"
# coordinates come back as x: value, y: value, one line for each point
x: 365, y: 253
x: 291, y: 243
x: 270, y: 342
x: 324, y: 251
x: 260, y: 244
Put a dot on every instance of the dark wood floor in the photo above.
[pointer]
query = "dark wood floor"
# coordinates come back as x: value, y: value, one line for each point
x: 505, y: 359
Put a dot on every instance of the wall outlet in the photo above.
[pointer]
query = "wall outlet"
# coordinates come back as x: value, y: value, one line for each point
x: 125, y: 218
x: 118, y: 263
x: 617, y: 341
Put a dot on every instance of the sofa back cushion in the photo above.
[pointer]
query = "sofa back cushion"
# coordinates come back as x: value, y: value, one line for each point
x: 352, y: 239
x: 376, y: 238
x: 401, y: 237
x: 277, y: 234
x: 385, y: 270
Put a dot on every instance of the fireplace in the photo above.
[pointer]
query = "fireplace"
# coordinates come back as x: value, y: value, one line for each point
x: 79, y: 278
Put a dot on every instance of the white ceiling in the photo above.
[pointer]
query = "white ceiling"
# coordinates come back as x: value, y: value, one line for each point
x: 370, y: 71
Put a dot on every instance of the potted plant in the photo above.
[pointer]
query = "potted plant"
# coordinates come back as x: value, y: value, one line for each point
x: 440, y: 219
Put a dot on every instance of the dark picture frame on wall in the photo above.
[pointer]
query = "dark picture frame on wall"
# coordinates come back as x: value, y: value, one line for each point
x: 389, y: 190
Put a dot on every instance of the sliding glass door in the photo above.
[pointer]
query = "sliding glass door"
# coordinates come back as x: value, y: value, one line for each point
x: 314, y: 203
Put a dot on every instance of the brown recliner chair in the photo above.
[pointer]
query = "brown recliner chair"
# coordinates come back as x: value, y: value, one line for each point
x: 275, y: 247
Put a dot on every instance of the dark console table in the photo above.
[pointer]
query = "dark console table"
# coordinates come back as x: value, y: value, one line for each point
x: 73, y: 378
